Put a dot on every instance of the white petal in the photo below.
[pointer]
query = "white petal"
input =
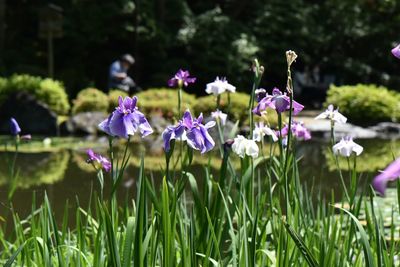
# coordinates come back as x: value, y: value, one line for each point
x: 271, y: 133
x: 252, y: 149
x: 339, y: 117
x: 322, y: 116
x: 257, y: 135
x: 357, y: 149
x: 238, y: 146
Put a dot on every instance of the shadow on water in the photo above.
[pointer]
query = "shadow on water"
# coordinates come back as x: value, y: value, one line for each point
x: 65, y: 175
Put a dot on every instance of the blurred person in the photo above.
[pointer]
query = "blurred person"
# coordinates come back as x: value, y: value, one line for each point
x: 118, y: 75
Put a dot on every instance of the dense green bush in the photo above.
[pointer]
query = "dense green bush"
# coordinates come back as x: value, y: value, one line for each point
x: 365, y: 104
x: 113, y: 98
x: 90, y: 99
x: 163, y: 101
x: 48, y: 91
x: 236, y: 107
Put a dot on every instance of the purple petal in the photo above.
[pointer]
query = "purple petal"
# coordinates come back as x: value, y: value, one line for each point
x: 195, y: 139
x: 208, y: 141
x: 91, y: 154
x: 396, y: 51
x: 118, y: 125
x: 187, y: 119
x: 392, y: 172
x: 167, y: 136
x: 297, y: 107
x: 105, y: 125
x: 14, y: 127
x: 276, y: 92
x: 281, y: 103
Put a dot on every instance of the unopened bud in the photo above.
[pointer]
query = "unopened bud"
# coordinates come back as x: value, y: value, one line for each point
x: 290, y: 57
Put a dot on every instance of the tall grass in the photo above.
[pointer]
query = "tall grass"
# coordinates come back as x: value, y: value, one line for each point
x: 261, y: 215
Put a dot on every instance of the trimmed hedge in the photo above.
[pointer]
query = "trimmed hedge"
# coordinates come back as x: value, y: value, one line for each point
x: 48, y: 91
x: 90, y: 99
x: 365, y: 104
x: 164, y: 101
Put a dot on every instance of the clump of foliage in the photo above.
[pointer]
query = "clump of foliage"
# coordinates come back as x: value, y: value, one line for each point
x: 113, y: 98
x: 163, y: 101
x: 90, y: 99
x: 49, y: 91
x: 365, y: 104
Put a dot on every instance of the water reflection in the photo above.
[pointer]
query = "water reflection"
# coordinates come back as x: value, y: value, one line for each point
x: 64, y: 174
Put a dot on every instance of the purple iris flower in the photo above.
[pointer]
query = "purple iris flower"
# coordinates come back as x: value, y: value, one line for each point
x: 278, y: 101
x: 14, y: 127
x: 126, y: 120
x: 172, y: 133
x: 298, y: 130
x: 98, y: 161
x: 181, y: 78
x: 391, y: 173
x: 396, y: 51
x: 193, y: 130
x: 260, y: 94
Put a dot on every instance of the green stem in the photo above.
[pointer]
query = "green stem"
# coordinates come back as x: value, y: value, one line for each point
x: 337, y: 162
x: 179, y: 102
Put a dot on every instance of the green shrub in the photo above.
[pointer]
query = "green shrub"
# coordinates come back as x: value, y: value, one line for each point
x: 113, y: 98
x: 237, y: 109
x: 48, y: 91
x: 90, y: 99
x: 365, y: 104
x: 163, y: 101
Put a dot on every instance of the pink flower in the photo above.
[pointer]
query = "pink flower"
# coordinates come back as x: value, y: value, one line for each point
x: 181, y: 78
x: 98, y: 161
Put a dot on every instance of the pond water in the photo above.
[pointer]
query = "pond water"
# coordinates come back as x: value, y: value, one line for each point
x: 60, y: 169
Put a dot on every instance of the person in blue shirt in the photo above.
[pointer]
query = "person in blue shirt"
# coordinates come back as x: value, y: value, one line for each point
x: 118, y: 74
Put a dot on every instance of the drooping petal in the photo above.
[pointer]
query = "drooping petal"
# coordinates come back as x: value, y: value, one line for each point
x: 14, y: 127
x: 281, y: 103
x: 209, y: 124
x: 391, y: 173
x: 195, y: 139
x: 239, y: 146
x: 118, y: 125
x: 297, y: 107
x: 105, y: 125
x: 323, y: 115
x: 337, y: 117
x: 208, y: 141
x: 252, y: 149
x: 357, y: 148
x: 396, y: 51
x: 167, y: 136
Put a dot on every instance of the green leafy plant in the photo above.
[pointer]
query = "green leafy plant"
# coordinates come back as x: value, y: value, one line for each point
x: 365, y: 104
x: 48, y: 91
x: 90, y: 99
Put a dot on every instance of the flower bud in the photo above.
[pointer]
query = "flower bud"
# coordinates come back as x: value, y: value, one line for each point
x: 290, y: 57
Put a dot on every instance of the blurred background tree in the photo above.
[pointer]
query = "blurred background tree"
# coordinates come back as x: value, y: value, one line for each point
x: 350, y: 39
